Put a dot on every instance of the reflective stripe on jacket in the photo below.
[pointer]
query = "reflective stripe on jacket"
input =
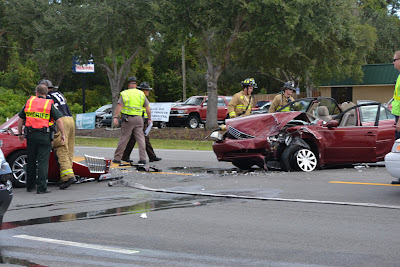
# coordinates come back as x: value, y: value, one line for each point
x: 37, y: 112
x: 133, y: 102
x: 278, y: 102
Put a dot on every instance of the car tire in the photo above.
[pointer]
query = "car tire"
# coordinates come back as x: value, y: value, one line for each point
x: 99, y: 123
x: 243, y: 164
x: 162, y: 125
x: 298, y: 158
x: 193, y: 122
x: 17, y: 163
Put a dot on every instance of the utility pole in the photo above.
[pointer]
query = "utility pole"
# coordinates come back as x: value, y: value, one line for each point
x: 183, y: 73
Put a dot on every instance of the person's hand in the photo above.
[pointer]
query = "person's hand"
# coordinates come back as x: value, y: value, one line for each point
x: 62, y: 139
x: 21, y: 138
x: 116, y: 122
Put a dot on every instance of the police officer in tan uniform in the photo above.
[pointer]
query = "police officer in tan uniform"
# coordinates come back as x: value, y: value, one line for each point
x: 284, y: 98
x: 130, y: 105
x: 240, y: 104
x: 145, y: 87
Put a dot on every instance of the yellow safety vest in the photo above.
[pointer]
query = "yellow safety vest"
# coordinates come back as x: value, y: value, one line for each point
x: 396, y: 98
x: 133, y: 102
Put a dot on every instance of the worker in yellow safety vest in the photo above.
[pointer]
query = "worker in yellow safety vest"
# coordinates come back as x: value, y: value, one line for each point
x: 396, y: 94
x: 284, y: 98
x: 130, y: 105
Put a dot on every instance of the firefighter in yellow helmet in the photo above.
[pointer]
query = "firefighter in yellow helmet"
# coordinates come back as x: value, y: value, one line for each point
x: 284, y: 98
x: 240, y: 105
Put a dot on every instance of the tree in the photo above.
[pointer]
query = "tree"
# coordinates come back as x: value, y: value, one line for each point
x: 111, y: 32
x: 216, y: 25
x: 308, y: 41
x: 383, y: 17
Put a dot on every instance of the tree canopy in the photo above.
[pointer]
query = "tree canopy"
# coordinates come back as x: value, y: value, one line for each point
x: 225, y: 42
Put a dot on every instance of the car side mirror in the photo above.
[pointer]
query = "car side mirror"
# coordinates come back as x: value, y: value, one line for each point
x: 332, y: 124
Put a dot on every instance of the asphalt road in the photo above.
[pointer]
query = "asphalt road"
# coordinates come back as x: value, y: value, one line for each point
x: 199, y: 212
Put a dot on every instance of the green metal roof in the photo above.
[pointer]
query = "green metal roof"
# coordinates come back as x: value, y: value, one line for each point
x: 373, y: 74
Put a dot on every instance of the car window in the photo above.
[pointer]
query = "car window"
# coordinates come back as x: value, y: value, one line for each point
x: 228, y: 99
x: 368, y: 113
x: 221, y: 102
x: 196, y: 101
x: 104, y: 108
x: 332, y: 106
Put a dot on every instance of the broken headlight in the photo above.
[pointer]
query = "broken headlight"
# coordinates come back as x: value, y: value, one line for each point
x: 216, y: 136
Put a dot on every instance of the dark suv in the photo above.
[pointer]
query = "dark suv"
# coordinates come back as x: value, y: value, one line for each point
x: 193, y: 111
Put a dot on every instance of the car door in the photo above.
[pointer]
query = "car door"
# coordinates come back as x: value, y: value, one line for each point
x: 354, y: 143
x: 386, y: 132
x: 203, y: 109
x: 222, y: 109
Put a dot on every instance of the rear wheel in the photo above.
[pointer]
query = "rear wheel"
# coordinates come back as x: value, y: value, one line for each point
x: 193, y: 122
x: 18, y: 166
x: 297, y: 158
x: 162, y: 124
x: 99, y: 123
x: 243, y: 164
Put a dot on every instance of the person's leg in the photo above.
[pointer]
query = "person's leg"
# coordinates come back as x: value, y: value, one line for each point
x: 129, y: 147
x: 31, y: 163
x: 139, y: 136
x: 126, y: 131
x: 43, y: 154
x: 62, y: 151
x: 149, y: 148
x: 397, y: 134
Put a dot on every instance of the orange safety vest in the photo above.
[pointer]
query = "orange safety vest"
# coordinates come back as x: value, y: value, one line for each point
x: 37, y: 112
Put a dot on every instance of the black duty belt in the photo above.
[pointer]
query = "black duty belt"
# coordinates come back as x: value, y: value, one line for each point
x: 40, y: 130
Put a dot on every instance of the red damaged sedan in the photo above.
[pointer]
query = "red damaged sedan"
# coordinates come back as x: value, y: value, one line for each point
x: 16, y: 153
x: 315, y: 133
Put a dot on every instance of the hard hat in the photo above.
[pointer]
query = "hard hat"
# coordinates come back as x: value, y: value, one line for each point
x: 47, y: 83
x: 289, y: 85
x: 144, y: 86
x: 132, y: 79
x: 249, y: 82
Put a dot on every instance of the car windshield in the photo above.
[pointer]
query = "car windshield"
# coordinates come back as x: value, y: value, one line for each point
x: 193, y: 101
x: 103, y: 108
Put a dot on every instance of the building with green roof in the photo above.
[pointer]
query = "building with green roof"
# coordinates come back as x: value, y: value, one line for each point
x: 377, y: 84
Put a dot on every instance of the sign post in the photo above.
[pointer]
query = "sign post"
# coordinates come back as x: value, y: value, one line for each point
x: 77, y: 67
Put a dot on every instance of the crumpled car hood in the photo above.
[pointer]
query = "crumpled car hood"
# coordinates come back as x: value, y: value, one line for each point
x: 11, y: 123
x: 262, y: 124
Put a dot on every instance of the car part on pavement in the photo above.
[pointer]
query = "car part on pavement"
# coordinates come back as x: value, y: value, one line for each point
x: 142, y: 167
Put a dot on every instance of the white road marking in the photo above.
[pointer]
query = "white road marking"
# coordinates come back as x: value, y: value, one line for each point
x: 76, y: 244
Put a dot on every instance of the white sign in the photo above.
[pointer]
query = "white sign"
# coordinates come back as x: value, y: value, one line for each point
x: 85, y: 68
x: 160, y: 111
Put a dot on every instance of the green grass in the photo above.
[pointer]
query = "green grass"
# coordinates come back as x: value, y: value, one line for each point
x: 156, y: 143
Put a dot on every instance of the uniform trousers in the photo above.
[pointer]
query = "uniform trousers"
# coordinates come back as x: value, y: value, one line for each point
x: 132, y: 142
x: 65, y: 152
x: 38, y: 152
x: 134, y: 126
